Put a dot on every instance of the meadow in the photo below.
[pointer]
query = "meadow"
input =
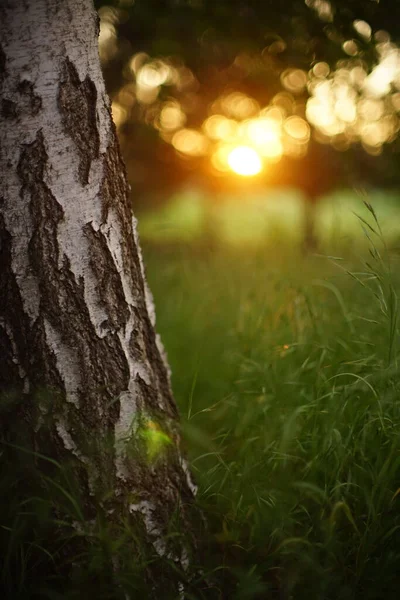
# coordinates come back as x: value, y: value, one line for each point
x: 285, y: 369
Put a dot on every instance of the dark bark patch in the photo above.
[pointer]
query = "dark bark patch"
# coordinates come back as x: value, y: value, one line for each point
x: 109, y: 286
x: 43, y: 251
x: 26, y: 102
x: 147, y: 341
x: 31, y: 164
x: 31, y: 101
x: 115, y: 196
x: 104, y: 369
x: 99, y: 448
x: 136, y: 347
x: 148, y: 395
x: 97, y: 25
x: 3, y: 70
x: 44, y: 372
x: 17, y: 341
x: 12, y: 312
x: 114, y: 187
x: 77, y: 102
x: 9, y: 376
x: 46, y: 212
x: 8, y: 109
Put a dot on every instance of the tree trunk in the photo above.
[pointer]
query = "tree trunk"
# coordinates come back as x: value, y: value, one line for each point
x: 81, y: 370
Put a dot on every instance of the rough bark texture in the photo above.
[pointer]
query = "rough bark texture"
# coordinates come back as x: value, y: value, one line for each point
x: 77, y: 344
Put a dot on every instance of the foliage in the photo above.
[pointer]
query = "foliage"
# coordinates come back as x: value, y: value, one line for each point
x: 175, y: 68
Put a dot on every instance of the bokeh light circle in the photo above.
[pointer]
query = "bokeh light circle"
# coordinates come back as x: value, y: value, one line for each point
x: 245, y: 161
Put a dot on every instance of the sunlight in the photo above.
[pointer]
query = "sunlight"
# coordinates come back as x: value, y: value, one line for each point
x: 263, y: 131
x: 378, y: 83
x: 218, y: 127
x: 245, y: 161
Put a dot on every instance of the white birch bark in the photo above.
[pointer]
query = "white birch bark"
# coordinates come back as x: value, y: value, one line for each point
x: 74, y: 325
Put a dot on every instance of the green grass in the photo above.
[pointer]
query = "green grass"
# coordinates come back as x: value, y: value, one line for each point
x: 285, y: 369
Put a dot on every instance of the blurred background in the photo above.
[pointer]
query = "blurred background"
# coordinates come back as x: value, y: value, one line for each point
x: 242, y: 120
x: 261, y: 139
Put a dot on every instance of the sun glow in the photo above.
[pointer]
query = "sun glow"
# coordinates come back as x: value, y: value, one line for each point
x: 352, y: 101
x: 245, y: 161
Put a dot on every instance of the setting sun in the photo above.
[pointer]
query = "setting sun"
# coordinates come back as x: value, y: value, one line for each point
x: 244, y: 160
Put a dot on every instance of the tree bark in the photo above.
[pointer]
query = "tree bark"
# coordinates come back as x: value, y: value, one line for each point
x: 81, y: 365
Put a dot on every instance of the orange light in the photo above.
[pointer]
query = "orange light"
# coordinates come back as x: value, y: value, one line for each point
x: 190, y: 142
x: 245, y: 161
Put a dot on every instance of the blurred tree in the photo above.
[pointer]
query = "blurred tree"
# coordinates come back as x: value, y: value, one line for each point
x: 245, y: 46
x: 82, y: 374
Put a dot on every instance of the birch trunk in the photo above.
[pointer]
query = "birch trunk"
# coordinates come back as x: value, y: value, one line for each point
x: 79, y: 354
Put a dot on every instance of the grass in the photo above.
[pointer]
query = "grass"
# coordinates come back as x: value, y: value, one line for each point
x: 286, y: 374
x: 285, y: 369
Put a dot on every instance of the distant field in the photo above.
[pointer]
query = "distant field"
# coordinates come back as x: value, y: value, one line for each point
x: 275, y: 216
x: 285, y: 368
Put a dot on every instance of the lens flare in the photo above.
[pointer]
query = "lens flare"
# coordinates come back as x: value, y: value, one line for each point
x: 245, y: 161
